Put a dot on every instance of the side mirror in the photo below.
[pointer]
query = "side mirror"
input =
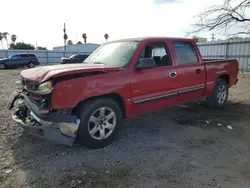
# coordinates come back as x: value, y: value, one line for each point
x: 146, y: 63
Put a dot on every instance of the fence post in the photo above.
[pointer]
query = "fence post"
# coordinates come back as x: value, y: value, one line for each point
x: 47, y: 57
x: 226, y: 54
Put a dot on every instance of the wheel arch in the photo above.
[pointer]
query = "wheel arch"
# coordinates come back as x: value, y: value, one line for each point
x: 225, y: 77
x: 114, y: 96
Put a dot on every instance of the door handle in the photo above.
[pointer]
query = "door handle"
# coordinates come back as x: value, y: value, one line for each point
x: 198, y: 71
x: 172, y: 74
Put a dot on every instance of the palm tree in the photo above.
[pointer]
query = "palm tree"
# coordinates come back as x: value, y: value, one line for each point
x: 84, y: 36
x: 5, y: 36
x: 106, y: 36
x: 13, y: 38
x: 1, y: 39
x: 69, y: 42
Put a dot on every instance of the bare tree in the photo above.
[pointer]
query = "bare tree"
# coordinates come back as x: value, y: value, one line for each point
x: 233, y: 13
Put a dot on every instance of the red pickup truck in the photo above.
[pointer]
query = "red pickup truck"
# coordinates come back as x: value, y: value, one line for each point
x: 121, y: 79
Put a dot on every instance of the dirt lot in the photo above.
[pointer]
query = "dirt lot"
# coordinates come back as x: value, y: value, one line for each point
x: 182, y: 147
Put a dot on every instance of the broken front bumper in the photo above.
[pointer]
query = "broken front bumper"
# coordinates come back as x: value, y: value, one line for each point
x: 55, y: 126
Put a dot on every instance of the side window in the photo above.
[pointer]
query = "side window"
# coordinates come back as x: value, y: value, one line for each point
x: 185, y: 53
x: 83, y: 57
x: 15, y: 57
x: 158, y: 52
x: 77, y: 57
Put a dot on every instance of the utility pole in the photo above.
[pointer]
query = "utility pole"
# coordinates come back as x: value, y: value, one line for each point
x: 213, y: 37
x: 65, y: 37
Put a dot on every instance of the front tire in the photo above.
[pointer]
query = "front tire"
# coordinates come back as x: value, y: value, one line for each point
x: 220, y: 95
x: 3, y: 66
x: 100, y: 122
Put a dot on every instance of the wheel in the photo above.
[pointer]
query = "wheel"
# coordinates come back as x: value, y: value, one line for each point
x: 31, y: 65
x: 100, y: 122
x: 220, y: 95
x: 3, y: 66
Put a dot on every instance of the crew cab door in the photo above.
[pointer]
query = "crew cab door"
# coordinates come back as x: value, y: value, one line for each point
x: 191, y: 73
x: 155, y: 88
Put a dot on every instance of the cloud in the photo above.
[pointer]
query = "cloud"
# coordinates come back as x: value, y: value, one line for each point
x: 166, y: 1
x: 42, y: 21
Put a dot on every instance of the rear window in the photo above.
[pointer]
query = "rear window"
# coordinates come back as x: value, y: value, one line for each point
x: 27, y: 55
x: 83, y: 56
x: 185, y: 53
x: 31, y: 55
x: 23, y: 55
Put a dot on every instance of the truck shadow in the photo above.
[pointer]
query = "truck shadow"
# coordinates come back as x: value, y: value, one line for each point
x: 49, y: 164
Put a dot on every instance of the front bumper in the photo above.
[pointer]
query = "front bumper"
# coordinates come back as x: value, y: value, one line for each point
x: 58, y: 127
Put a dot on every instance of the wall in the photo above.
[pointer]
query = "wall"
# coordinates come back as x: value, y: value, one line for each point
x: 78, y: 47
x: 228, y: 49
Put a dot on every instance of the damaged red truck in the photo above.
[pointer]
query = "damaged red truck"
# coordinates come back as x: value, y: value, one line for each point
x: 121, y: 79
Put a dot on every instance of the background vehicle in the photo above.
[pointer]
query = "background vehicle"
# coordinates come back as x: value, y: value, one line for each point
x: 77, y: 58
x: 19, y: 60
x: 120, y: 79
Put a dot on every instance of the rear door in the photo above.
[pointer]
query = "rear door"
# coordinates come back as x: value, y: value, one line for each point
x: 156, y: 88
x: 24, y: 60
x: 190, y: 70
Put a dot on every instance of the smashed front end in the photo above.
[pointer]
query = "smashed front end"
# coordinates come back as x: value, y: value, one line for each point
x: 32, y: 110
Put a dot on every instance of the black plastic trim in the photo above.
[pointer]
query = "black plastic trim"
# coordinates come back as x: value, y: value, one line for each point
x: 52, y: 117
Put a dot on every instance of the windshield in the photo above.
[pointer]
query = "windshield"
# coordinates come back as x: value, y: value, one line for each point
x: 72, y: 56
x: 117, y: 54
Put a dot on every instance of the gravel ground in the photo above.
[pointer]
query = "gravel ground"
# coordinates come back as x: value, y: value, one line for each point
x: 185, y: 146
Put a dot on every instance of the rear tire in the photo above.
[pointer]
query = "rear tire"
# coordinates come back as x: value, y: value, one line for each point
x: 100, y: 122
x: 3, y: 66
x: 220, y: 95
x: 31, y: 65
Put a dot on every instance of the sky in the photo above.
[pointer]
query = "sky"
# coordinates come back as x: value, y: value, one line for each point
x: 41, y: 21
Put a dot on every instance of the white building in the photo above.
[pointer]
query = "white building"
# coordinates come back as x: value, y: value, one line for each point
x: 78, y: 48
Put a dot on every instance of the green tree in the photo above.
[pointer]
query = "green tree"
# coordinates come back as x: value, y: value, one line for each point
x: 84, y: 36
x: 106, y: 36
x: 69, y: 42
x: 22, y: 45
x: 13, y: 38
x: 41, y: 48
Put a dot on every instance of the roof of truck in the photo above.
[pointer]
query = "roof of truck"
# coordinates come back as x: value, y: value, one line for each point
x: 139, y: 39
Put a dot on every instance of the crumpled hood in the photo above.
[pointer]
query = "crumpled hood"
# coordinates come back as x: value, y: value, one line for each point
x: 2, y: 60
x: 43, y: 73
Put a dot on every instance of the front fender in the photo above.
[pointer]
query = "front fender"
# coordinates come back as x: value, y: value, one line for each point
x: 69, y: 93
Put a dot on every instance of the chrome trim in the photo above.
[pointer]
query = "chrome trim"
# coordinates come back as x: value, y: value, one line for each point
x: 168, y: 95
x: 191, y: 90
x: 155, y: 98
x: 169, y: 74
